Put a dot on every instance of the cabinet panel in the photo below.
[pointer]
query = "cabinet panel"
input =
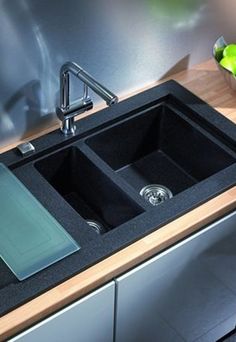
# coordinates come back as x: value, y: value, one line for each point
x: 87, y: 320
x: 187, y: 293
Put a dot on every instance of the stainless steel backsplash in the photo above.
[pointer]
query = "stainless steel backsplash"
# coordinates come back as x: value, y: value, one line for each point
x: 125, y: 44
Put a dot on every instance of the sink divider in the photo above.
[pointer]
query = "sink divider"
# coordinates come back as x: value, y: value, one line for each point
x: 110, y: 173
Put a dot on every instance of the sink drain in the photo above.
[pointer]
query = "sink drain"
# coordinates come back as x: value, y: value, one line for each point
x: 155, y: 194
x: 99, y: 229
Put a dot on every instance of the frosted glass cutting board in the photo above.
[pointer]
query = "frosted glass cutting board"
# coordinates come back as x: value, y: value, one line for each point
x: 30, y: 238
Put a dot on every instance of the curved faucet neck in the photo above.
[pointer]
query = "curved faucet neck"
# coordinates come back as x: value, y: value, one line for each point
x: 85, y: 103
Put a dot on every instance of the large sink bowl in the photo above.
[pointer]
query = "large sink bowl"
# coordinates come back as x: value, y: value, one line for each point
x: 165, y: 136
x: 161, y: 145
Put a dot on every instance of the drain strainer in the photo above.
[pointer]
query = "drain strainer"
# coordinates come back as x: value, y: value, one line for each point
x: 99, y: 229
x: 155, y: 194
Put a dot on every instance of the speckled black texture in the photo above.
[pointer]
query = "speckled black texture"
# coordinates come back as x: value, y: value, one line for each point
x: 202, y: 175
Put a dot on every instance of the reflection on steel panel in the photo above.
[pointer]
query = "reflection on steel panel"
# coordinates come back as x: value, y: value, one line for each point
x: 124, y: 43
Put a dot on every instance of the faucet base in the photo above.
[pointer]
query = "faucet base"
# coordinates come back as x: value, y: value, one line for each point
x: 68, y: 126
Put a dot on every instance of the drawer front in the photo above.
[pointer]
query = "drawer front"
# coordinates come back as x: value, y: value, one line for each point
x: 87, y: 320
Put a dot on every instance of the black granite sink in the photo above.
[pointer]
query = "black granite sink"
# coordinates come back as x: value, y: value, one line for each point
x: 164, y: 136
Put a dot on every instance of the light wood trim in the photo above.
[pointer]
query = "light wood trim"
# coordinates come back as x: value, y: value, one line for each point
x: 203, y: 79
x: 116, y: 264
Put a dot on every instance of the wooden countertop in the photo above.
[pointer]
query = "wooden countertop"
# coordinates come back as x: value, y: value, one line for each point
x: 206, y: 82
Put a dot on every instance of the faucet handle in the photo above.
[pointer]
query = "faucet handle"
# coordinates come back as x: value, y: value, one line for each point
x: 78, y: 108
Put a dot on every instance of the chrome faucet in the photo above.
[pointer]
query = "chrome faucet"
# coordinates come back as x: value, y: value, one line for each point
x: 67, y: 112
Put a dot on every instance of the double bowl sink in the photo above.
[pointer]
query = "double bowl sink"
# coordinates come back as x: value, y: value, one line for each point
x: 102, y: 176
x: 128, y: 170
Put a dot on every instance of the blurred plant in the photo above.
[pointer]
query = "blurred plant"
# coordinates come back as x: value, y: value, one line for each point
x: 175, y: 9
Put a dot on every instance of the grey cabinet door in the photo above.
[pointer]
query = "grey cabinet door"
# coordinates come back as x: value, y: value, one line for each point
x: 90, y: 319
x: 187, y: 293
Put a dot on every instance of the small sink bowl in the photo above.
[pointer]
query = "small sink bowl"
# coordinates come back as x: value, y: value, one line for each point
x: 160, y: 145
x: 87, y: 189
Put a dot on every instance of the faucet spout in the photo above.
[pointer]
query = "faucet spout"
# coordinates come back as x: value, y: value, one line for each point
x: 66, y: 112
